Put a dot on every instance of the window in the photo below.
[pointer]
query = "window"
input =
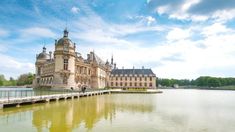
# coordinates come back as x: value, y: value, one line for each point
x: 111, y: 83
x: 121, y: 78
x: 116, y: 78
x: 116, y: 84
x: 150, y: 78
x: 145, y: 84
x: 66, y: 48
x: 120, y: 83
x: 150, y: 85
x: 125, y: 78
x: 145, y: 78
x: 125, y: 84
x: 65, y: 64
x: 140, y: 78
x: 140, y: 84
x: 130, y: 84
x: 130, y: 78
x: 135, y: 78
x: 135, y: 84
x: 39, y: 70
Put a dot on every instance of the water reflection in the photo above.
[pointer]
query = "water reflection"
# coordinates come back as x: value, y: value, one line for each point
x: 85, y: 112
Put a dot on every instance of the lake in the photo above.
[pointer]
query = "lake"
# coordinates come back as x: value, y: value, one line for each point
x: 178, y: 110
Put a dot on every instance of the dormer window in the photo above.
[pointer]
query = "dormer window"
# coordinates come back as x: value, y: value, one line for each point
x: 66, y: 48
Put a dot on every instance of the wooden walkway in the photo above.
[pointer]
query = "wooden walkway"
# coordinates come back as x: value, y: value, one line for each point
x: 16, y: 102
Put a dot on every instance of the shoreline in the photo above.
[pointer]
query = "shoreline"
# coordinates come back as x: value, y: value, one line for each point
x: 201, y: 88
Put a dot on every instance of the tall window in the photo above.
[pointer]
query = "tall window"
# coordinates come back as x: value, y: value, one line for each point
x: 130, y: 84
x: 39, y: 70
x: 125, y: 78
x: 145, y: 78
x: 65, y: 64
x: 111, y: 83
x: 135, y: 78
x: 150, y: 78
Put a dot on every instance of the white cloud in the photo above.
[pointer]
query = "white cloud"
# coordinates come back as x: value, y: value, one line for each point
x: 150, y: 20
x: 224, y: 15
x: 214, y: 29
x: 37, y: 32
x: 9, y: 66
x: 75, y: 10
x: 178, y: 34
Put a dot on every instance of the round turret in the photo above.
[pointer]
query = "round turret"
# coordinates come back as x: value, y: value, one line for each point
x: 43, y: 55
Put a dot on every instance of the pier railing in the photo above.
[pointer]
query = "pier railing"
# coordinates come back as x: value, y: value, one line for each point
x: 8, y: 94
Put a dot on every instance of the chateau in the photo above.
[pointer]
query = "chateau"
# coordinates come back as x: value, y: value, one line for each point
x: 67, y: 69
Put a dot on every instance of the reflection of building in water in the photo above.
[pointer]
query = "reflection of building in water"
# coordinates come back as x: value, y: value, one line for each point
x: 69, y: 115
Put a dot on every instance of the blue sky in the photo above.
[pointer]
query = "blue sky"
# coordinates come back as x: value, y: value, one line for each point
x: 177, y: 39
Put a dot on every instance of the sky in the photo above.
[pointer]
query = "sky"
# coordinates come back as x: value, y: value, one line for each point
x: 181, y: 39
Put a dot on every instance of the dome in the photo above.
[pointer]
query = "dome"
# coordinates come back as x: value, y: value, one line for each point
x: 43, y: 55
x: 65, y: 39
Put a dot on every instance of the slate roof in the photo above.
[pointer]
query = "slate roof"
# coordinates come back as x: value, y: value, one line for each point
x: 132, y: 71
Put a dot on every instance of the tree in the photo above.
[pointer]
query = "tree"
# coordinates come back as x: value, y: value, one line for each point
x: 25, y: 79
x: 2, y: 80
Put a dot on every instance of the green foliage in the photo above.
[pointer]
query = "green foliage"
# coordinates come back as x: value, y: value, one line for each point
x: 171, y: 82
x: 2, y: 80
x: 24, y: 79
x: 203, y: 81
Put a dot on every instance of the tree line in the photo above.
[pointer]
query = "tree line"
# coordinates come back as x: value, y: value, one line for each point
x: 203, y: 81
x: 23, y: 79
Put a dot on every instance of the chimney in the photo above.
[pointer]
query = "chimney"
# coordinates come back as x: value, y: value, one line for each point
x: 50, y: 54
x: 114, y: 65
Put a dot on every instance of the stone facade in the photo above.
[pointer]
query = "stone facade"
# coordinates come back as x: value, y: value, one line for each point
x: 132, y: 78
x: 67, y: 69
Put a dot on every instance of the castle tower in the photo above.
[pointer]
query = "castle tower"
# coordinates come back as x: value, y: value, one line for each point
x: 64, y: 55
x: 40, y: 61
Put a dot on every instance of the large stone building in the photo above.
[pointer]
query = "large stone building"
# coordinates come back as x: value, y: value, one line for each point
x: 65, y: 68
x: 132, y: 78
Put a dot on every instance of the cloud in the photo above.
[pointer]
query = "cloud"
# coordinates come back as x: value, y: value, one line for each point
x: 196, y: 10
x: 37, y: 32
x: 9, y: 66
x: 75, y: 10
x: 178, y: 34
x: 216, y: 28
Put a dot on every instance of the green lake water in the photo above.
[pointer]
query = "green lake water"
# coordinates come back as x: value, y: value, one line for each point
x: 171, y: 111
